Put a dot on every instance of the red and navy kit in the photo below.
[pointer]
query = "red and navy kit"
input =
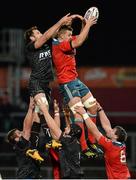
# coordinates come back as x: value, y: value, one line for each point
x: 64, y: 60
x: 115, y: 159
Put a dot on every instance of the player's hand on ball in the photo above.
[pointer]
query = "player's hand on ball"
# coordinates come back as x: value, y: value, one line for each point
x: 91, y: 21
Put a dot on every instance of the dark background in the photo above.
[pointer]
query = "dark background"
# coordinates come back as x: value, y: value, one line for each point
x: 111, y: 42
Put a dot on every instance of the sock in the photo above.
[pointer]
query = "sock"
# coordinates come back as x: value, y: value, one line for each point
x: 55, y: 164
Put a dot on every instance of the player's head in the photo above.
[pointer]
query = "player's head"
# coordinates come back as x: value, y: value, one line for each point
x: 32, y: 34
x: 13, y: 136
x: 120, y: 133
x: 65, y: 33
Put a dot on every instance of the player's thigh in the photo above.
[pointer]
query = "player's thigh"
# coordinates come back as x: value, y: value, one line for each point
x: 70, y: 92
x: 35, y: 87
x: 90, y: 103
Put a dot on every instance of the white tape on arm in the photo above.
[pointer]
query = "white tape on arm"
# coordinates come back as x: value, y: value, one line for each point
x: 85, y: 116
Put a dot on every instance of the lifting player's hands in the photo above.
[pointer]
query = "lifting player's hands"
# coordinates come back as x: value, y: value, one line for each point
x: 66, y: 111
x: 80, y: 110
x: 42, y: 103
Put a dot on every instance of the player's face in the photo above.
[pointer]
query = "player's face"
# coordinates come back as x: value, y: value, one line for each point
x: 67, y: 35
x: 18, y: 135
x: 37, y: 34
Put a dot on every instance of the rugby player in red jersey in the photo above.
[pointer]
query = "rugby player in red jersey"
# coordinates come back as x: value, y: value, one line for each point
x: 72, y: 89
x: 113, y: 144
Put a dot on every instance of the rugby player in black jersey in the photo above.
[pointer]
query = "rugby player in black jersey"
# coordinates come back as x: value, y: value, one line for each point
x: 69, y: 153
x: 38, y: 53
x: 22, y: 141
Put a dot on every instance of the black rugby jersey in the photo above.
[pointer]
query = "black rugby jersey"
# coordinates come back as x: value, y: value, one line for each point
x: 70, y: 156
x: 27, y: 167
x: 40, y: 61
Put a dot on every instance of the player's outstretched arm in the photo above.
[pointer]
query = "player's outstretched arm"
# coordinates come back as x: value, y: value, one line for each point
x: 84, y: 33
x: 56, y: 113
x: 50, y: 121
x: 104, y: 119
x: 27, y: 124
x: 89, y: 123
x: 51, y: 31
x: 66, y: 112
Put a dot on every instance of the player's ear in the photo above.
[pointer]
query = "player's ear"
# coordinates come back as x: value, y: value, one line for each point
x: 32, y: 38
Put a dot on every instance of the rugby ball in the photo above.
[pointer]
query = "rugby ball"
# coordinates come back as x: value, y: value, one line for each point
x: 91, y: 12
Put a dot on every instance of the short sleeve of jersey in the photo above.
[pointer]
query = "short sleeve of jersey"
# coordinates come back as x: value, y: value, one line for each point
x: 66, y: 45
x: 105, y: 142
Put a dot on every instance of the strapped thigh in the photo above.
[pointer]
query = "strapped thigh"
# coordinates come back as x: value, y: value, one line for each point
x: 91, y: 101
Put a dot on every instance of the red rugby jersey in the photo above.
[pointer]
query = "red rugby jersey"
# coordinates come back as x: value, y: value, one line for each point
x: 64, y: 61
x: 115, y: 159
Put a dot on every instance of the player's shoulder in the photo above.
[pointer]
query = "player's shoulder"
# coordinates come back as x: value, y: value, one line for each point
x: 118, y: 144
x: 105, y: 139
x: 30, y: 46
x: 55, y: 41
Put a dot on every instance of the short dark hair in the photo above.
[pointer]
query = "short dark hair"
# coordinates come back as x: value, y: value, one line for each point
x: 10, y: 138
x: 121, y: 133
x: 28, y: 33
x: 64, y: 28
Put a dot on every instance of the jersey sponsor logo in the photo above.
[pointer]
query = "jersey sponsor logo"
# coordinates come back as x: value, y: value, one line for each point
x: 45, y: 55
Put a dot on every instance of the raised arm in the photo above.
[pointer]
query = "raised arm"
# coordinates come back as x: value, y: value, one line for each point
x: 27, y: 124
x: 89, y: 123
x: 84, y: 33
x: 104, y: 119
x: 66, y: 112
x: 77, y: 16
x: 56, y: 113
x: 51, y: 31
x: 50, y: 121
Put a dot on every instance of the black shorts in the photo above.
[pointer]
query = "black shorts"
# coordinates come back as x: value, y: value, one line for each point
x: 35, y: 87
